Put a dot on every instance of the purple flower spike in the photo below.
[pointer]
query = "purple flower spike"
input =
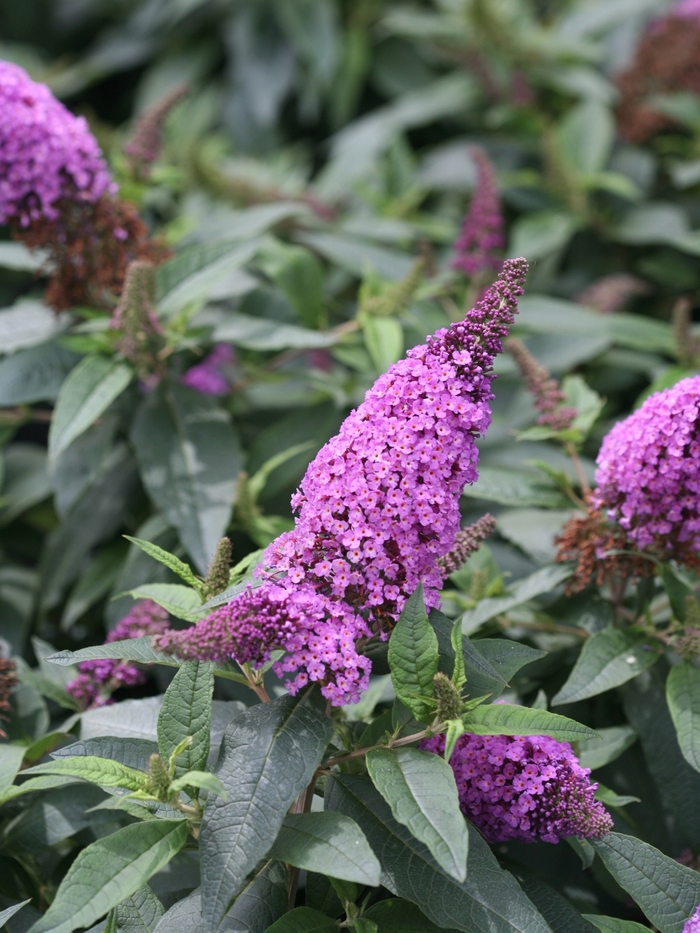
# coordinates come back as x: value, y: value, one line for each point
x: 477, y: 249
x: 45, y: 151
x: 527, y: 788
x: 692, y: 924
x: 377, y: 508
x: 649, y: 471
x: 208, y: 377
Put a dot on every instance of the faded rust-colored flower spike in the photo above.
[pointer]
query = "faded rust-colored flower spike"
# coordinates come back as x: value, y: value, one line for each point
x: 217, y: 576
x: 8, y: 680
x: 467, y: 542
x: 135, y: 317
x: 143, y: 146
x: 546, y: 391
x: 686, y: 343
x: 612, y: 292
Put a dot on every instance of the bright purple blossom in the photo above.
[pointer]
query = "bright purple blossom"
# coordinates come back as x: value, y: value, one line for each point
x: 686, y: 9
x: 692, y: 924
x: 649, y: 470
x: 524, y: 787
x: 209, y: 376
x: 99, y: 678
x: 376, y: 509
x: 478, y: 247
x: 46, y: 152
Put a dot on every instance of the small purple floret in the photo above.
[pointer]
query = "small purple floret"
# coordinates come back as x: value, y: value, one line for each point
x: 209, y: 376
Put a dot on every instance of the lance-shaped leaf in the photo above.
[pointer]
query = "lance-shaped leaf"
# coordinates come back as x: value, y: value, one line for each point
x: 542, y: 581
x: 615, y: 925
x: 186, y: 711
x: 329, y: 843
x: 420, y: 788
x: 180, y: 601
x: 413, y: 656
x: 10, y: 762
x: 683, y: 696
x: 9, y: 912
x: 138, y: 913
x: 521, y: 720
x: 489, y: 900
x: 110, y: 870
x: 100, y: 771
x: 268, y: 756
x: 556, y: 910
x: 394, y: 915
x: 610, y: 744
x: 666, y: 891
x: 87, y: 392
x: 131, y: 649
x: 134, y: 753
x: 190, y: 460
x: 304, y: 920
x: 183, y: 570
x: 608, y: 659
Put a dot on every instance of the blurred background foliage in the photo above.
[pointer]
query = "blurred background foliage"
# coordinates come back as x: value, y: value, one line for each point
x: 310, y: 186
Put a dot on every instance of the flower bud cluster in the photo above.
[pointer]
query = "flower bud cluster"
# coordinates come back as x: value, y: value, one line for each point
x: 479, y: 244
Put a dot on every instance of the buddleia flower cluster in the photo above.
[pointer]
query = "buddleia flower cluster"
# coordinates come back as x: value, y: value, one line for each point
x: 56, y: 194
x: 210, y: 376
x: 481, y: 240
x: 648, y: 486
x: 377, y: 508
x: 98, y: 679
x: 524, y: 788
x: 692, y: 924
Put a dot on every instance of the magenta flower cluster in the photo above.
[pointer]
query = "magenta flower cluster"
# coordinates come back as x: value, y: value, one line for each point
x: 377, y: 507
x: 99, y: 678
x: 648, y: 473
x: 209, y: 376
x: 686, y: 9
x: 478, y: 247
x: 692, y: 924
x: 46, y: 152
x: 527, y: 788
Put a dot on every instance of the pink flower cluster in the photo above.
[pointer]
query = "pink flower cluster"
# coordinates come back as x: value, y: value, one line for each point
x: 686, y: 9
x: 524, y: 787
x: 477, y: 249
x: 209, y: 376
x: 376, y: 509
x: 649, y: 470
x: 45, y: 151
x: 99, y: 678
x: 692, y: 924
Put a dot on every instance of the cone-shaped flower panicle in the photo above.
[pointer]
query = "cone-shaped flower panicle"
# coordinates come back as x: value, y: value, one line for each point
x: 648, y: 473
x: 376, y: 509
x: 209, y: 376
x: 547, y: 392
x: 467, y: 542
x: 479, y: 244
x: 99, y: 678
x: 692, y: 924
x: 143, y: 146
x: 8, y: 680
x: 612, y: 292
x: 46, y: 152
x: 527, y: 788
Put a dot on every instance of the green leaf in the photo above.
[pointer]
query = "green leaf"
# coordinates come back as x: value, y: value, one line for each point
x: 26, y: 480
x: 608, y: 659
x: 193, y: 274
x: 47, y: 782
x: 489, y: 900
x: 611, y: 799
x: 183, y: 570
x: 541, y: 581
x: 615, y: 925
x: 395, y: 915
x: 678, y: 588
x: 514, y: 487
x: 132, y: 752
x: 413, y: 656
x: 506, y: 656
x: 683, y: 697
x: 131, y: 649
x: 87, y: 392
x: 268, y: 756
x: 520, y: 720
x: 257, y: 333
x: 556, y: 910
x: 34, y: 375
x: 384, y: 340
x: 11, y: 911
x: 481, y: 676
x: 10, y: 762
x: 459, y: 676
x: 186, y: 711
x: 304, y: 920
x: 610, y: 744
x: 201, y: 779
x: 26, y: 324
x: 586, y: 135
x: 588, y: 404
x: 139, y: 913
x: 420, y: 788
x: 180, y: 601
x: 101, y: 771
x: 110, y: 870
x: 538, y: 235
x: 190, y: 460
x: 666, y: 891
x: 327, y: 843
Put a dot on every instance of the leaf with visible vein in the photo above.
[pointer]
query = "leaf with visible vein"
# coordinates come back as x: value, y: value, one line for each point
x: 186, y: 711
x: 183, y: 570
x: 101, y: 771
x: 683, y: 697
x: 413, y: 656
x: 521, y: 720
